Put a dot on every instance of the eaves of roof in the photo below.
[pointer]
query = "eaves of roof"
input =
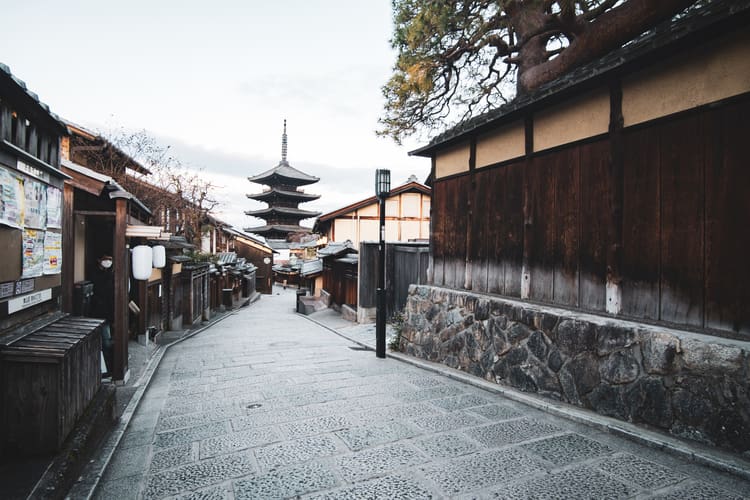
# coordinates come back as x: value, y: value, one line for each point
x: 282, y: 211
x: 30, y: 101
x: 113, y: 189
x: 90, y: 136
x: 404, y: 188
x: 286, y: 171
x: 277, y: 227
x: 275, y: 192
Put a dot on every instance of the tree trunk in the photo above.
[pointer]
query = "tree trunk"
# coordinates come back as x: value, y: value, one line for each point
x: 604, y: 34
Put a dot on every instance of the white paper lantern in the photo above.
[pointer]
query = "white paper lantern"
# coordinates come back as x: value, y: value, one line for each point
x: 160, y: 256
x: 142, y: 260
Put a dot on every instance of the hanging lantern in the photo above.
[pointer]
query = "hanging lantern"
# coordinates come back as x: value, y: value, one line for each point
x: 142, y: 261
x: 159, y: 256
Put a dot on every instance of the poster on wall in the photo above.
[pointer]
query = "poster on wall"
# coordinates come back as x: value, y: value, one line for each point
x: 52, y: 253
x: 35, y: 206
x: 11, y: 199
x: 33, y: 253
x: 54, y: 207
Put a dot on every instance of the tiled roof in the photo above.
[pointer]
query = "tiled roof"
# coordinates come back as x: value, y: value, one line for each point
x: 282, y: 211
x: 275, y: 192
x: 283, y: 171
x: 32, y: 98
x: 334, y: 249
x: 278, y: 227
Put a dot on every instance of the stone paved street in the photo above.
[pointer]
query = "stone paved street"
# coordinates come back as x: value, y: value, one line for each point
x: 267, y: 404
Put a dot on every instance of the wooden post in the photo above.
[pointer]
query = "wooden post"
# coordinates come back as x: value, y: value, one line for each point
x: 431, y: 259
x: 68, y: 248
x: 468, y: 271
x: 143, y: 303
x: 614, y: 248
x: 122, y: 272
x: 528, y: 216
x: 33, y: 143
x: 5, y: 125
x: 20, y: 137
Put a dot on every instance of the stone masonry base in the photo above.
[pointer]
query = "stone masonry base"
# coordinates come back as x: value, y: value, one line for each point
x: 691, y: 385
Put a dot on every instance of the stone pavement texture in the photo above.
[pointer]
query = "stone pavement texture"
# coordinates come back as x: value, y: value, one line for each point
x: 268, y: 404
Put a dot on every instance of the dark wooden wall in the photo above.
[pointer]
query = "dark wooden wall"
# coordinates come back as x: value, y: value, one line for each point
x: 683, y: 186
x: 340, y: 281
x: 264, y: 282
x: 405, y: 264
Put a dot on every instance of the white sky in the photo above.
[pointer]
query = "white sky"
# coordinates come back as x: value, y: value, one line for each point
x: 215, y: 80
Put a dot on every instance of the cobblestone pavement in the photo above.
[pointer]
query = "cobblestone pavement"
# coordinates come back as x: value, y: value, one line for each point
x: 267, y: 404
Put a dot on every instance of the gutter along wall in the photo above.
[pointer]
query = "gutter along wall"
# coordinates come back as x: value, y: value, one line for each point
x: 625, y: 200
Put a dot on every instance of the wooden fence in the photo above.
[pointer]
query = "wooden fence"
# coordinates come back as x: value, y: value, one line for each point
x: 405, y: 264
x: 661, y: 207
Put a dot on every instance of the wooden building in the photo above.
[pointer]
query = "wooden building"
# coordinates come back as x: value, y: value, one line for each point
x: 340, y: 273
x: 407, y: 217
x: 591, y: 236
x: 49, y: 362
x: 256, y: 252
x: 101, y: 217
x: 620, y: 189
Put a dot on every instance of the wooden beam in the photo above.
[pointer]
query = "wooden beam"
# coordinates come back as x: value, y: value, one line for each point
x: 614, y: 248
x: 470, y: 204
x: 33, y: 142
x: 121, y: 265
x: 68, y: 248
x: 19, y: 140
x: 528, y: 217
x: 431, y: 264
x: 100, y: 213
x: 5, y: 123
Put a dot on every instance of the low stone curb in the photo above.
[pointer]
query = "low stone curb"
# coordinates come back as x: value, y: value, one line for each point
x: 86, y: 485
x: 691, y: 451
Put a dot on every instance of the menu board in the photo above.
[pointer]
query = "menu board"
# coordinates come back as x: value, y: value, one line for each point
x: 33, y: 253
x: 11, y: 199
x: 52, y: 253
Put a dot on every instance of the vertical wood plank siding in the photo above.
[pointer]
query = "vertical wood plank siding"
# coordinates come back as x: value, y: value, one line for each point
x: 684, y: 209
x: 727, y: 215
x: 593, y: 224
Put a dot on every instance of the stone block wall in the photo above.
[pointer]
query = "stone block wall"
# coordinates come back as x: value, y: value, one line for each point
x: 691, y: 385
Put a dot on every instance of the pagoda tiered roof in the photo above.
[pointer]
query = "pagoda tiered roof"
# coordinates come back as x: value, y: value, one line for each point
x: 276, y: 193
x: 283, y: 174
x: 296, y: 213
x: 278, y: 228
x: 282, y: 215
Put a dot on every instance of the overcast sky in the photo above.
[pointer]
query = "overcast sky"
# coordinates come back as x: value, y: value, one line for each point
x: 215, y: 80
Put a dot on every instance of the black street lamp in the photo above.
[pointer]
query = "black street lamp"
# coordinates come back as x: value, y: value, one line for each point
x: 382, y: 189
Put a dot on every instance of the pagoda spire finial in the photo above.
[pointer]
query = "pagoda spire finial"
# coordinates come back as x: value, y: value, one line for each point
x: 283, y: 144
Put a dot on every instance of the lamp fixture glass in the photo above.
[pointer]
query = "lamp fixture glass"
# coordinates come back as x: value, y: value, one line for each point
x: 382, y: 182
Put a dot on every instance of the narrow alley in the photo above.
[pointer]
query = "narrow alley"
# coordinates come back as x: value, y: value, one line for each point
x: 268, y: 404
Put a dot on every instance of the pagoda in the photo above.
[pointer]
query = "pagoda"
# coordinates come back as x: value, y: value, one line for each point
x: 283, y: 196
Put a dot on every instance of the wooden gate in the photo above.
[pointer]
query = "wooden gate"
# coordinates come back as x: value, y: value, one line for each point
x: 409, y: 267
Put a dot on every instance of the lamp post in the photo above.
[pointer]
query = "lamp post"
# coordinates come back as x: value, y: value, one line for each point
x: 382, y: 188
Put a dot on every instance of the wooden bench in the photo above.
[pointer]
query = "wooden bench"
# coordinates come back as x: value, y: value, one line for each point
x: 47, y: 380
